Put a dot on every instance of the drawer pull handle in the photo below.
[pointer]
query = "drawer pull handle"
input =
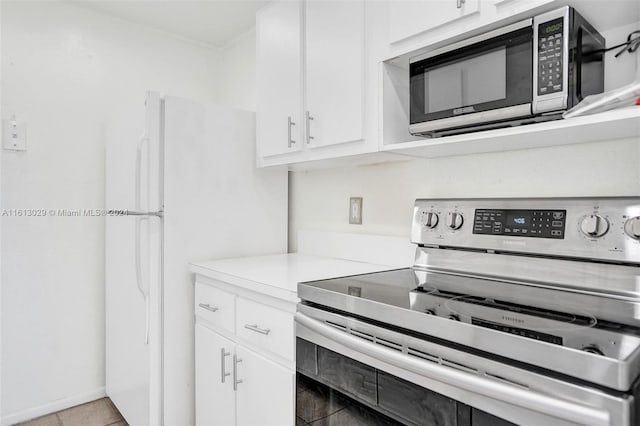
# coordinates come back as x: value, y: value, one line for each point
x: 254, y: 327
x: 208, y: 307
x: 223, y: 355
x: 236, y: 381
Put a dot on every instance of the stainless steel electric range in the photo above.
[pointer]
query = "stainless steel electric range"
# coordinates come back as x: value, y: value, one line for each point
x: 522, y: 311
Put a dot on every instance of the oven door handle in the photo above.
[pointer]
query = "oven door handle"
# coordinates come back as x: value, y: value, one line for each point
x: 521, y: 397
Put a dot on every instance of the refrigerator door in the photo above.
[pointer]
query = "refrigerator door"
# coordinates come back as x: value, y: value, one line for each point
x: 133, y: 282
x: 132, y: 268
x: 216, y: 204
x: 133, y: 165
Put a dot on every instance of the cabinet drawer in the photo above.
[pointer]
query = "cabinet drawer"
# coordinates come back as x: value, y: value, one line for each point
x: 216, y: 306
x: 266, y: 327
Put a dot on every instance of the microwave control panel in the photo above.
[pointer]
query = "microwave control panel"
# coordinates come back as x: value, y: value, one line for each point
x: 550, y: 44
x: 520, y: 223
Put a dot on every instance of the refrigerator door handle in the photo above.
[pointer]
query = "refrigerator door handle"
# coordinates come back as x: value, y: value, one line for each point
x: 139, y: 283
x: 144, y: 138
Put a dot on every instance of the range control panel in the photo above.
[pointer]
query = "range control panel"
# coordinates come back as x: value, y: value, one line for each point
x: 550, y: 45
x: 520, y: 223
x: 605, y: 228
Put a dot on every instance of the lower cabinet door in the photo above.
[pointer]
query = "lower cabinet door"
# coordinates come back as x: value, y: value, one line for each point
x: 215, y: 398
x: 266, y: 393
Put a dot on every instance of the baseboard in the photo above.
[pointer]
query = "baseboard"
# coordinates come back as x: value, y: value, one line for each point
x: 52, y: 407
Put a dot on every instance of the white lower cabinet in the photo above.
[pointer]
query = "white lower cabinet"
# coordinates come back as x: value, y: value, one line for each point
x: 245, y: 370
x: 266, y: 392
x: 215, y: 399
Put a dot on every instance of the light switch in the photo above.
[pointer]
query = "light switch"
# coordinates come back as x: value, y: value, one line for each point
x: 14, y: 135
x: 355, y: 210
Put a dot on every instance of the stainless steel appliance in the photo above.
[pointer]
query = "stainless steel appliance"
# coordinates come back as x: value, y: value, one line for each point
x: 526, y: 72
x: 527, y: 310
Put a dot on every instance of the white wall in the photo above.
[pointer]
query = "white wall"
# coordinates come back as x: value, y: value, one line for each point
x: 64, y: 68
x: 237, y: 77
x: 1, y: 223
x: 319, y: 199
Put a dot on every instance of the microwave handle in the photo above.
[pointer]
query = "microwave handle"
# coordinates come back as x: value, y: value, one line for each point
x: 552, y: 406
x: 578, y: 64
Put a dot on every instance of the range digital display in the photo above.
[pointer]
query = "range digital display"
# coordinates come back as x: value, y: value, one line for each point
x: 520, y: 223
x: 516, y: 220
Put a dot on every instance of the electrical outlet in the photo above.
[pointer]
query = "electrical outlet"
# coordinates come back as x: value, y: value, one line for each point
x: 355, y: 210
x: 14, y: 135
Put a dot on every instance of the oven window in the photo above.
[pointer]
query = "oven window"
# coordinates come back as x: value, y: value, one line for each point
x: 335, y: 390
x: 482, y: 78
x: 491, y: 74
x: 319, y: 404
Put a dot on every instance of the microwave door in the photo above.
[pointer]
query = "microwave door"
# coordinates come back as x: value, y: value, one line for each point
x: 478, y: 82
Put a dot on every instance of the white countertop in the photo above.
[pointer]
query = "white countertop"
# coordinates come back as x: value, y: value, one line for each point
x: 279, y: 275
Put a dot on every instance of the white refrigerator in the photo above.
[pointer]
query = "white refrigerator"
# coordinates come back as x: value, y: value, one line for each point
x: 182, y: 185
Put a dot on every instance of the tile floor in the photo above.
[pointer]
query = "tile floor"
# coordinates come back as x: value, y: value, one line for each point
x: 101, y: 412
x: 318, y: 405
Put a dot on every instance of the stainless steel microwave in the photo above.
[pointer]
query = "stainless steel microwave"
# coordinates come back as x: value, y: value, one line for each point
x: 523, y: 73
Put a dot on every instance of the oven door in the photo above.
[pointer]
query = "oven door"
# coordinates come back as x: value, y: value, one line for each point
x: 513, y: 394
x: 482, y: 80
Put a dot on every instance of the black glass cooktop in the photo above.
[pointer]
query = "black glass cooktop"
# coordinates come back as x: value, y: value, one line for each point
x: 391, y: 287
x: 551, y: 315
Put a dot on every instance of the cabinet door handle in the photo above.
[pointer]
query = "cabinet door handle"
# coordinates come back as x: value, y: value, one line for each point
x: 223, y: 373
x: 459, y: 3
x: 208, y: 307
x: 236, y: 382
x: 254, y: 327
x: 290, y: 123
x: 309, y: 119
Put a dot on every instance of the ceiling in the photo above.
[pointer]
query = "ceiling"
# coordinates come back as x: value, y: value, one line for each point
x: 214, y: 22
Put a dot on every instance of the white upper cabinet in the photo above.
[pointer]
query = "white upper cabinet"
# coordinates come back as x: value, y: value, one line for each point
x: 334, y: 64
x: 411, y: 17
x: 312, y: 66
x: 279, y: 124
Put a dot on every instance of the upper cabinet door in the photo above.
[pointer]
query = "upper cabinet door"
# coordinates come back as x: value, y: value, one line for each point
x: 279, y: 78
x: 334, y: 68
x: 411, y: 17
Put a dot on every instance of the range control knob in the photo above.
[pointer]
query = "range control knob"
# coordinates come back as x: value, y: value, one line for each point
x: 454, y: 220
x: 593, y: 349
x: 632, y: 227
x: 430, y: 219
x: 454, y: 317
x: 594, y: 225
x: 430, y: 312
